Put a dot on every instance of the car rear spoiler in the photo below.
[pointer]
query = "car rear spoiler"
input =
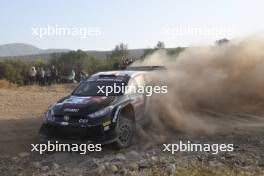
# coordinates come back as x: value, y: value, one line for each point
x: 147, y: 68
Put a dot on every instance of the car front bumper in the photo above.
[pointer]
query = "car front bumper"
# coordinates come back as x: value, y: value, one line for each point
x: 103, y: 133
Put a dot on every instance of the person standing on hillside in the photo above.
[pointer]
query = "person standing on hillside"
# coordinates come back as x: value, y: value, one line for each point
x: 71, y: 77
x: 32, y: 75
x: 83, y: 76
x: 54, y: 75
x: 42, y: 76
x: 48, y: 76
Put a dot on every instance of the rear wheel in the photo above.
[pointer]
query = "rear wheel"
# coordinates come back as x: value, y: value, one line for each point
x: 125, y: 132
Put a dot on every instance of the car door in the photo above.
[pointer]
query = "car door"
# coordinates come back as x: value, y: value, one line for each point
x: 139, y: 96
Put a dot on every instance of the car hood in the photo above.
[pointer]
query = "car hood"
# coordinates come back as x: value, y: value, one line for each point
x: 75, y: 105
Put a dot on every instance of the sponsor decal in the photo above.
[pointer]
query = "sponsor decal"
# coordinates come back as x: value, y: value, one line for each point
x: 107, y: 123
x: 66, y: 118
x: 81, y: 101
x: 64, y: 123
x: 71, y: 110
x: 83, y: 121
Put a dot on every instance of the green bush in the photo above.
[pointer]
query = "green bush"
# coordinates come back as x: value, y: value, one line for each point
x: 14, y: 71
x: 17, y: 71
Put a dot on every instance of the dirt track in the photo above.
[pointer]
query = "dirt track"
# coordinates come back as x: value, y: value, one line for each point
x: 21, y: 115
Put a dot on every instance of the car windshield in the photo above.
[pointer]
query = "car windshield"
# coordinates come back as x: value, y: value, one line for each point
x: 103, y: 87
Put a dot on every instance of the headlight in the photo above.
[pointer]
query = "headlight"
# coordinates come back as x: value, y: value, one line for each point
x: 101, y: 112
x: 50, y: 115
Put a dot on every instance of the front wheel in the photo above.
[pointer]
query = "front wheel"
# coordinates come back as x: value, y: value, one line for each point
x: 125, y: 133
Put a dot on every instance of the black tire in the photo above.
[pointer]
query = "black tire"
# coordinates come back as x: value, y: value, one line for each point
x: 125, y: 133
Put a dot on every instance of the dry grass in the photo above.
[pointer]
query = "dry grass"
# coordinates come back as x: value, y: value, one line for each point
x: 29, y: 101
x: 4, y: 84
x: 215, y: 172
x: 199, y: 170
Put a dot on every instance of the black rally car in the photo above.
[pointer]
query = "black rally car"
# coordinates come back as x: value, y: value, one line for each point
x: 89, y: 116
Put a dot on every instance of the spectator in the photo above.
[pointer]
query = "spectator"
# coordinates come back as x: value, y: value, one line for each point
x: 32, y: 75
x: 42, y: 76
x: 38, y: 76
x: 83, y: 76
x: 54, y: 74
x: 48, y: 76
x: 71, y: 77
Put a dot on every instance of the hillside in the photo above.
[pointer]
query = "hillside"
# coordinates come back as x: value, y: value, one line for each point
x: 29, y: 52
x: 22, y: 49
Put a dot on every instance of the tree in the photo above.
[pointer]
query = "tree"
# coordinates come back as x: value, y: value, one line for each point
x: 120, y: 52
x: 73, y: 60
x: 14, y: 71
x: 39, y: 62
x: 147, y: 52
x: 221, y: 41
x: 160, y: 45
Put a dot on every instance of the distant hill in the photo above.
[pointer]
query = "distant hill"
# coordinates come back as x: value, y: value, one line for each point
x: 133, y: 53
x: 28, y: 52
x: 22, y: 49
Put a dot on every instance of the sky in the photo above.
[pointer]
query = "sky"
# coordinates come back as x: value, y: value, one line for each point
x: 101, y: 24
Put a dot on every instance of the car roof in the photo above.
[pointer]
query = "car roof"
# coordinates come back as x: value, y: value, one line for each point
x: 128, y: 73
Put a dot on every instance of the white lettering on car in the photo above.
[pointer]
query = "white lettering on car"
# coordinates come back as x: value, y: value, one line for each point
x: 83, y: 121
x: 70, y: 110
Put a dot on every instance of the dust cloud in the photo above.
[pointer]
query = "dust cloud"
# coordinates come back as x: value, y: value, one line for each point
x: 206, y: 81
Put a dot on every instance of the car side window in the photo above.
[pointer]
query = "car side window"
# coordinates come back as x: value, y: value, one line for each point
x: 132, y: 87
x: 147, y: 79
x: 140, y: 81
